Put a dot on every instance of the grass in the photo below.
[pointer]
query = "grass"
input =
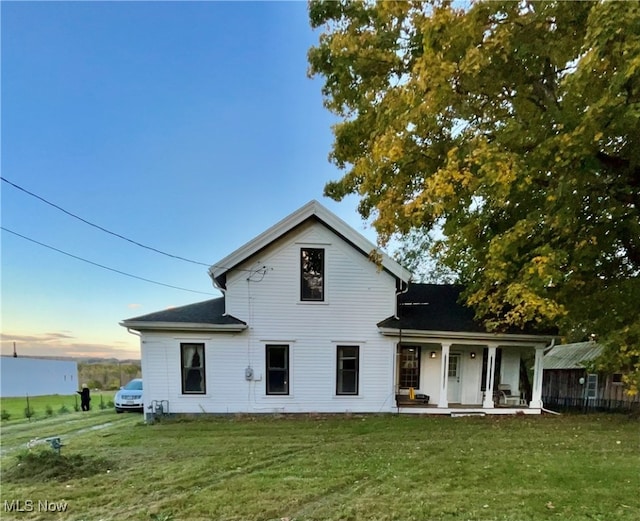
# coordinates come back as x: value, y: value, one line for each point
x: 48, y: 465
x: 333, y: 468
x: 44, y: 406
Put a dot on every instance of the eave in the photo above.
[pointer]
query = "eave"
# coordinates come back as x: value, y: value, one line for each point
x: 313, y: 209
x: 183, y: 326
x: 463, y: 337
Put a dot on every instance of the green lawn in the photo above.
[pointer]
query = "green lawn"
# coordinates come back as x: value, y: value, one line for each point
x: 330, y: 468
x: 44, y: 406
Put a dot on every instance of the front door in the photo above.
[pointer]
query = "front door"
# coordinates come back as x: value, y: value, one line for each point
x: 453, y: 385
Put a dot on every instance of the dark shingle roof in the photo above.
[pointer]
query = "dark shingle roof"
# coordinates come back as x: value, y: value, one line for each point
x: 433, y: 307
x: 438, y: 307
x: 208, y: 312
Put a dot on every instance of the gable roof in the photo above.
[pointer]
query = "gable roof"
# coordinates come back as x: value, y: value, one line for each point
x: 571, y: 356
x: 437, y: 308
x: 311, y: 210
x: 201, y: 316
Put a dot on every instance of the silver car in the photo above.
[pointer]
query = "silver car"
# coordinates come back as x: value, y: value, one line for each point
x: 129, y: 397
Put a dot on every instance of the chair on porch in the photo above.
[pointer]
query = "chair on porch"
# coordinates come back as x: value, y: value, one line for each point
x: 505, y: 397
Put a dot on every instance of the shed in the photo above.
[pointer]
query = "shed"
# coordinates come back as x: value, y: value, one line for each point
x: 567, y: 384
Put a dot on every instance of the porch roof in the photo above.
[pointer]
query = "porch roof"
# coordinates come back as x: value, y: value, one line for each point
x: 437, y: 307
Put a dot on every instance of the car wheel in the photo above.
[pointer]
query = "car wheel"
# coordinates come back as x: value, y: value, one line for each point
x: 119, y: 411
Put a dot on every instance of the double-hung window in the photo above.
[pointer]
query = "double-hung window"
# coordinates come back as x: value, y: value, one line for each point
x: 348, y: 366
x: 409, y: 367
x: 193, y: 373
x: 277, y: 370
x: 312, y: 274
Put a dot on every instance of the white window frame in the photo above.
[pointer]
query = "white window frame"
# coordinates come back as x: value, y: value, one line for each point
x: 340, y: 371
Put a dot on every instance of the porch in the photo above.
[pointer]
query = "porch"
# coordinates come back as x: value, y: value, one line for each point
x: 468, y: 377
x: 464, y: 410
x: 443, y: 352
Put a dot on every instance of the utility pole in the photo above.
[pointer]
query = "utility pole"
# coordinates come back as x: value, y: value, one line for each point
x: 15, y: 353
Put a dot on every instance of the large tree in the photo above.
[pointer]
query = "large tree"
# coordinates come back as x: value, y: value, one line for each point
x: 514, y: 129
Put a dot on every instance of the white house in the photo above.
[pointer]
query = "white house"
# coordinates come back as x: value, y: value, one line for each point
x: 22, y: 376
x: 309, y: 323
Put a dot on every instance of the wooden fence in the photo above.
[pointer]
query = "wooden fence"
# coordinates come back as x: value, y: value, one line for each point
x: 586, y: 405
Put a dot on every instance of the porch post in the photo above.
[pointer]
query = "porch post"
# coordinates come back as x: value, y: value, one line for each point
x: 487, y: 403
x: 536, y: 390
x: 444, y: 376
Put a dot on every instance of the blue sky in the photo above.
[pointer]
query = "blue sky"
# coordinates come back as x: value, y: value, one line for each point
x: 190, y: 127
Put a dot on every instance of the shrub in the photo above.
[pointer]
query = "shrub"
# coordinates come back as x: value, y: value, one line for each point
x: 28, y: 412
x: 48, y: 410
x: 63, y: 409
x: 5, y: 415
x: 94, y: 384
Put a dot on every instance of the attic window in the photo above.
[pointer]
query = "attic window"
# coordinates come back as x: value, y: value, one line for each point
x: 312, y: 274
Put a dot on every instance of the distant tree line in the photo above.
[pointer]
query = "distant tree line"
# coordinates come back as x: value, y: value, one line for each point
x: 107, y: 375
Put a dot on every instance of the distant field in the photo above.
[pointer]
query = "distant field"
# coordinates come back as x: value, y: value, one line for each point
x: 59, y: 404
x: 329, y: 468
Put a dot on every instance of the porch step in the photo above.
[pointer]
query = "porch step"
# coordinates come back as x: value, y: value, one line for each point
x: 460, y: 414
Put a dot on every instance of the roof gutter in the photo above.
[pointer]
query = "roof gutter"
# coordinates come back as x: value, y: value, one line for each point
x: 183, y: 326
x: 467, y: 337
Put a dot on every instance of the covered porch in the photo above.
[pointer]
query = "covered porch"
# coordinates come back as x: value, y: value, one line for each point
x: 448, y: 376
x: 447, y: 362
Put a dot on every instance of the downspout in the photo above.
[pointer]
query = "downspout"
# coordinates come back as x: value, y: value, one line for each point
x: 550, y: 346
x: 134, y: 332
x: 399, y: 292
x: 395, y: 370
x: 222, y: 290
x: 394, y: 382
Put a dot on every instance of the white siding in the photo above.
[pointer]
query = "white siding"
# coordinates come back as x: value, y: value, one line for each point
x: 470, y: 370
x: 471, y: 375
x: 357, y: 297
x: 510, y: 368
x: 430, y: 373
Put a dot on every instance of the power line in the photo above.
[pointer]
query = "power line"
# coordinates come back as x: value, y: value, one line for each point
x: 100, y: 227
x: 102, y: 266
